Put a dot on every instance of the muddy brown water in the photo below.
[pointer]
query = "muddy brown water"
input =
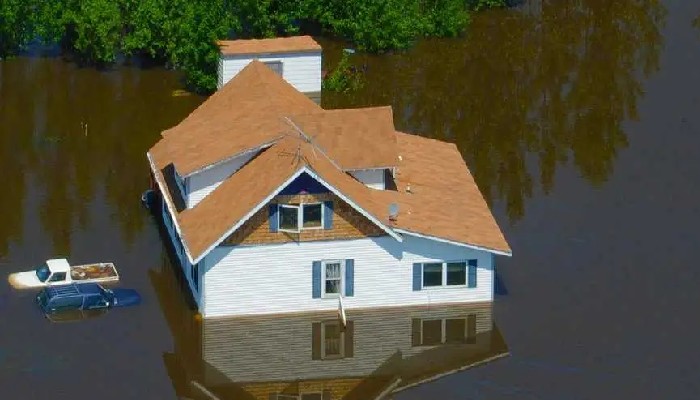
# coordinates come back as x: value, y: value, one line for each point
x: 581, y: 123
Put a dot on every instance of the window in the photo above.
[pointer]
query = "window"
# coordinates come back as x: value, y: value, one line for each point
x: 434, y: 332
x: 432, y: 274
x: 332, y: 278
x: 66, y: 302
x: 448, y: 274
x: 58, y: 277
x: 312, y: 215
x: 293, y: 218
x: 276, y: 66
x: 94, y: 301
x: 332, y: 340
x: 289, y: 218
x: 456, y: 273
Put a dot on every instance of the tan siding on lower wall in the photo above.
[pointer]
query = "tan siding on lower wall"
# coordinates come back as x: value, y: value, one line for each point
x: 264, y: 354
x: 347, y: 224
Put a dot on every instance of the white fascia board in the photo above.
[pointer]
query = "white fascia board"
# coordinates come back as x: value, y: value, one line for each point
x: 366, y: 169
x: 250, y: 214
x: 169, y: 205
x: 276, y: 192
x: 213, y: 165
x: 471, y: 246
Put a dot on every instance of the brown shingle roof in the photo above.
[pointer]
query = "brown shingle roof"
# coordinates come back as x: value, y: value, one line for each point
x: 354, y: 138
x: 291, y: 44
x: 443, y: 205
x: 245, y: 114
x: 258, y: 107
x: 444, y: 201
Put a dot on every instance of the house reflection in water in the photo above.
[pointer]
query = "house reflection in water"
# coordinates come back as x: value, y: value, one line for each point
x: 310, y: 356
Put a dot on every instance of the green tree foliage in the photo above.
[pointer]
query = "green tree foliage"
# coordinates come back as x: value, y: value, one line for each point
x: 14, y: 26
x: 183, y: 33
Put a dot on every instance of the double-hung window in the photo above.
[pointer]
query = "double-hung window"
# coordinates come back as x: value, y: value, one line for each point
x: 332, y: 278
x: 293, y: 217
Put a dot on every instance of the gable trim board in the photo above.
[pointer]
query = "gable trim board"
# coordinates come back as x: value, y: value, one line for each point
x: 266, y: 200
x: 169, y: 206
x: 471, y: 246
x: 239, y: 154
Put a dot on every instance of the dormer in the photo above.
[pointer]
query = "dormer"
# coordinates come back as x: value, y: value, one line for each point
x: 297, y: 59
x: 375, y: 178
x: 199, y: 184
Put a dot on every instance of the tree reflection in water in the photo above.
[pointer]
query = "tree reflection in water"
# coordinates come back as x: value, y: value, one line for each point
x: 555, y: 79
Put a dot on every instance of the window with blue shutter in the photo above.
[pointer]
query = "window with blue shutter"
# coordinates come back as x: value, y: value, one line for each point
x: 471, y: 279
x: 273, y: 222
x: 349, y: 277
x: 316, y: 279
x: 328, y: 215
x: 417, y: 272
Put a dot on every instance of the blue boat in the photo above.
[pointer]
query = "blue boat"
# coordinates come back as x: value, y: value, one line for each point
x: 84, y: 297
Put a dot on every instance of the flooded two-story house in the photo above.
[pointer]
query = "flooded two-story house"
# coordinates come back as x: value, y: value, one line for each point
x: 275, y: 205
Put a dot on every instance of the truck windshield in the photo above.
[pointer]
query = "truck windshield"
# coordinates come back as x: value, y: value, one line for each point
x: 107, y: 295
x: 43, y: 273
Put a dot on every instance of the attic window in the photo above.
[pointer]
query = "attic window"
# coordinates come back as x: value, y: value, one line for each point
x: 276, y: 66
x: 293, y: 218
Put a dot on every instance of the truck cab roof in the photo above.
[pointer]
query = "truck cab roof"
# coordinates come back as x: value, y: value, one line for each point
x: 58, y: 265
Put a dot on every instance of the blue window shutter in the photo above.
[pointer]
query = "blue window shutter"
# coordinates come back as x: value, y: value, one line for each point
x: 316, y: 279
x: 417, y: 276
x: 328, y: 215
x: 349, y: 278
x: 273, y: 218
x: 471, y: 273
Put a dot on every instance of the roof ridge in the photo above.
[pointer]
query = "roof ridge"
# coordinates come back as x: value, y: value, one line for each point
x: 308, y: 139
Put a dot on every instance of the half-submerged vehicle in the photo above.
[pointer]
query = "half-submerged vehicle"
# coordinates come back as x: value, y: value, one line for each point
x: 84, y: 297
x: 58, y: 271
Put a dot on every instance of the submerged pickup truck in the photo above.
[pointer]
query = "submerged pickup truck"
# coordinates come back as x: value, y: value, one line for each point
x: 58, y: 271
x: 84, y: 296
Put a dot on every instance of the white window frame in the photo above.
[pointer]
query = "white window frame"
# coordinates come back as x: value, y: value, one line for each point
x: 323, y: 278
x: 443, y: 270
x: 300, y: 216
x: 279, y: 217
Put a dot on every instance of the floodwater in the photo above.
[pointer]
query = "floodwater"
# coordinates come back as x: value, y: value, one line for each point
x: 581, y: 123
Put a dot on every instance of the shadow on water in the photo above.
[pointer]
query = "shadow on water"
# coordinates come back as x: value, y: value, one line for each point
x: 528, y: 89
x: 379, y: 353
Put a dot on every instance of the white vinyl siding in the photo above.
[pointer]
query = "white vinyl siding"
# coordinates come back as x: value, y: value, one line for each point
x: 373, y: 178
x: 204, y: 182
x: 302, y: 70
x: 238, y: 279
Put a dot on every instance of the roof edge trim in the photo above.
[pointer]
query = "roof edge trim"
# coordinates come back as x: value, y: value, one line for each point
x: 439, y: 239
x: 169, y: 206
x: 367, y: 215
x: 224, y: 160
x: 274, y: 193
x: 250, y: 214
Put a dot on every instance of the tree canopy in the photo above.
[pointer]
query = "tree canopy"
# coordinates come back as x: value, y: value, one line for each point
x: 182, y: 33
